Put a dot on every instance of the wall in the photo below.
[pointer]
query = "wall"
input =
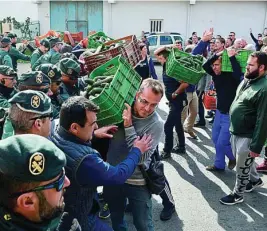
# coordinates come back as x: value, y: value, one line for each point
x: 44, y: 16
x: 132, y: 17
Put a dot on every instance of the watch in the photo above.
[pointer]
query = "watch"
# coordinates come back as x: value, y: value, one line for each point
x: 175, y: 94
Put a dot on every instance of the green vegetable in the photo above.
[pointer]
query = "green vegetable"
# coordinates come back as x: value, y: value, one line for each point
x: 96, y: 90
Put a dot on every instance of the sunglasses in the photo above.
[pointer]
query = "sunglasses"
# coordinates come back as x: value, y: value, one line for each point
x: 57, y: 83
x: 50, y: 115
x: 57, y: 184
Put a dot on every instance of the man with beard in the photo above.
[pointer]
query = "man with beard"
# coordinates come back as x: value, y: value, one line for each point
x: 248, y: 127
x: 32, y: 183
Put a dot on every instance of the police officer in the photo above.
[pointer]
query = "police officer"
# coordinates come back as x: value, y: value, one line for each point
x: 40, y: 51
x: 15, y: 53
x: 5, y: 58
x: 53, y: 56
x: 30, y: 112
x: 34, y: 80
x: 32, y: 183
x: 55, y: 76
x: 71, y: 84
x: 7, y: 82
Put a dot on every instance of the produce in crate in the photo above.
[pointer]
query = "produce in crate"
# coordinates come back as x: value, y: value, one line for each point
x: 191, y: 62
x: 97, y: 39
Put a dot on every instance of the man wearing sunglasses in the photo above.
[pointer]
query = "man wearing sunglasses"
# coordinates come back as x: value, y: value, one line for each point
x: 7, y: 83
x: 30, y: 113
x: 33, y: 183
x: 54, y: 74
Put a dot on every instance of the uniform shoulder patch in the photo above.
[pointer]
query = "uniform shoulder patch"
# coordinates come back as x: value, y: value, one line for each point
x: 36, y: 163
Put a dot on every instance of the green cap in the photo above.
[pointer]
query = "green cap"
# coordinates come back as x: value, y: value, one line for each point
x: 30, y: 158
x: 45, y: 43
x: 7, y: 71
x: 51, y: 71
x: 53, y: 41
x: 34, y: 78
x: 12, y: 35
x: 32, y: 101
x: 69, y: 67
x: 6, y: 40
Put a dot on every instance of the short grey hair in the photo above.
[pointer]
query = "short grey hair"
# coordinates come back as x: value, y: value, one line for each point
x: 20, y: 119
x: 155, y: 85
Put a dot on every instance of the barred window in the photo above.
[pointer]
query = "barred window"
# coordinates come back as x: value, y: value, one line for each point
x: 156, y: 25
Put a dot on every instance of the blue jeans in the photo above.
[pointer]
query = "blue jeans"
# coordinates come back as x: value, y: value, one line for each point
x: 140, y: 201
x: 221, y: 139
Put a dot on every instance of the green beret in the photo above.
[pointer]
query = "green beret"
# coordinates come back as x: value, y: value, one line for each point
x: 51, y: 71
x: 45, y: 43
x: 6, y: 40
x: 34, y: 78
x: 30, y: 158
x: 32, y: 101
x: 53, y: 41
x: 11, y: 35
x: 7, y: 71
x: 70, y: 67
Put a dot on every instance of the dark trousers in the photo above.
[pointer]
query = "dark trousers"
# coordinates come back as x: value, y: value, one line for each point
x: 166, y: 194
x: 201, y: 111
x: 174, y: 120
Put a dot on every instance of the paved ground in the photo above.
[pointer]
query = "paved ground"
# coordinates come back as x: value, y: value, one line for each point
x: 197, y: 192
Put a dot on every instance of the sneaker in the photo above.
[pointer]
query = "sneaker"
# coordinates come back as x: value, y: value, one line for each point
x: 179, y: 150
x: 166, y: 213
x: 209, y: 116
x: 252, y: 185
x: 213, y: 168
x: 262, y: 167
x: 211, y: 122
x: 165, y: 155
x: 191, y: 133
x: 232, y: 199
x: 232, y: 164
x: 104, y: 212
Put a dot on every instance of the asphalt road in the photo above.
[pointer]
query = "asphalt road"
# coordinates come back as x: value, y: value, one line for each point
x: 197, y: 192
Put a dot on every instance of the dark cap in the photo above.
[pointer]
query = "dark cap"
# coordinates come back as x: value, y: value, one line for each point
x: 30, y: 158
x: 32, y: 101
x: 51, y: 71
x: 53, y: 41
x: 7, y: 71
x: 69, y: 67
x: 45, y: 43
x: 6, y: 40
x: 34, y: 78
x: 12, y: 35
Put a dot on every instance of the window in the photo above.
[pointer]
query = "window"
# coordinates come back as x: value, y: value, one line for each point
x: 156, y: 25
x: 165, y: 40
x: 177, y: 38
x: 153, y: 40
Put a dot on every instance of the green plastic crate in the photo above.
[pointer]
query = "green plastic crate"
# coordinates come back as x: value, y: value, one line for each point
x: 177, y: 71
x: 94, y: 44
x: 242, y: 58
x: 122, y: 89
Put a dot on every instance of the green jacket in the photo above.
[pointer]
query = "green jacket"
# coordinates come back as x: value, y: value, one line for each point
x: 16, y: 55
x: 248, y: 112
x: 52, y: 57
x: 14, y: 222
x: 35, y: 56
x: 5, y: 58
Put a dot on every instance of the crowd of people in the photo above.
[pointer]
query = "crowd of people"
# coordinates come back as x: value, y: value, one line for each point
x: 53, y: 155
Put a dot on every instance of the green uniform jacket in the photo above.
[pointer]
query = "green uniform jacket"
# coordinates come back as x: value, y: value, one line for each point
x: 35, y: 56
x: 13, y: 222
x: 52, y: 57
x: 16, y: 55
x: 248, y: 112
x: 5, y: 59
